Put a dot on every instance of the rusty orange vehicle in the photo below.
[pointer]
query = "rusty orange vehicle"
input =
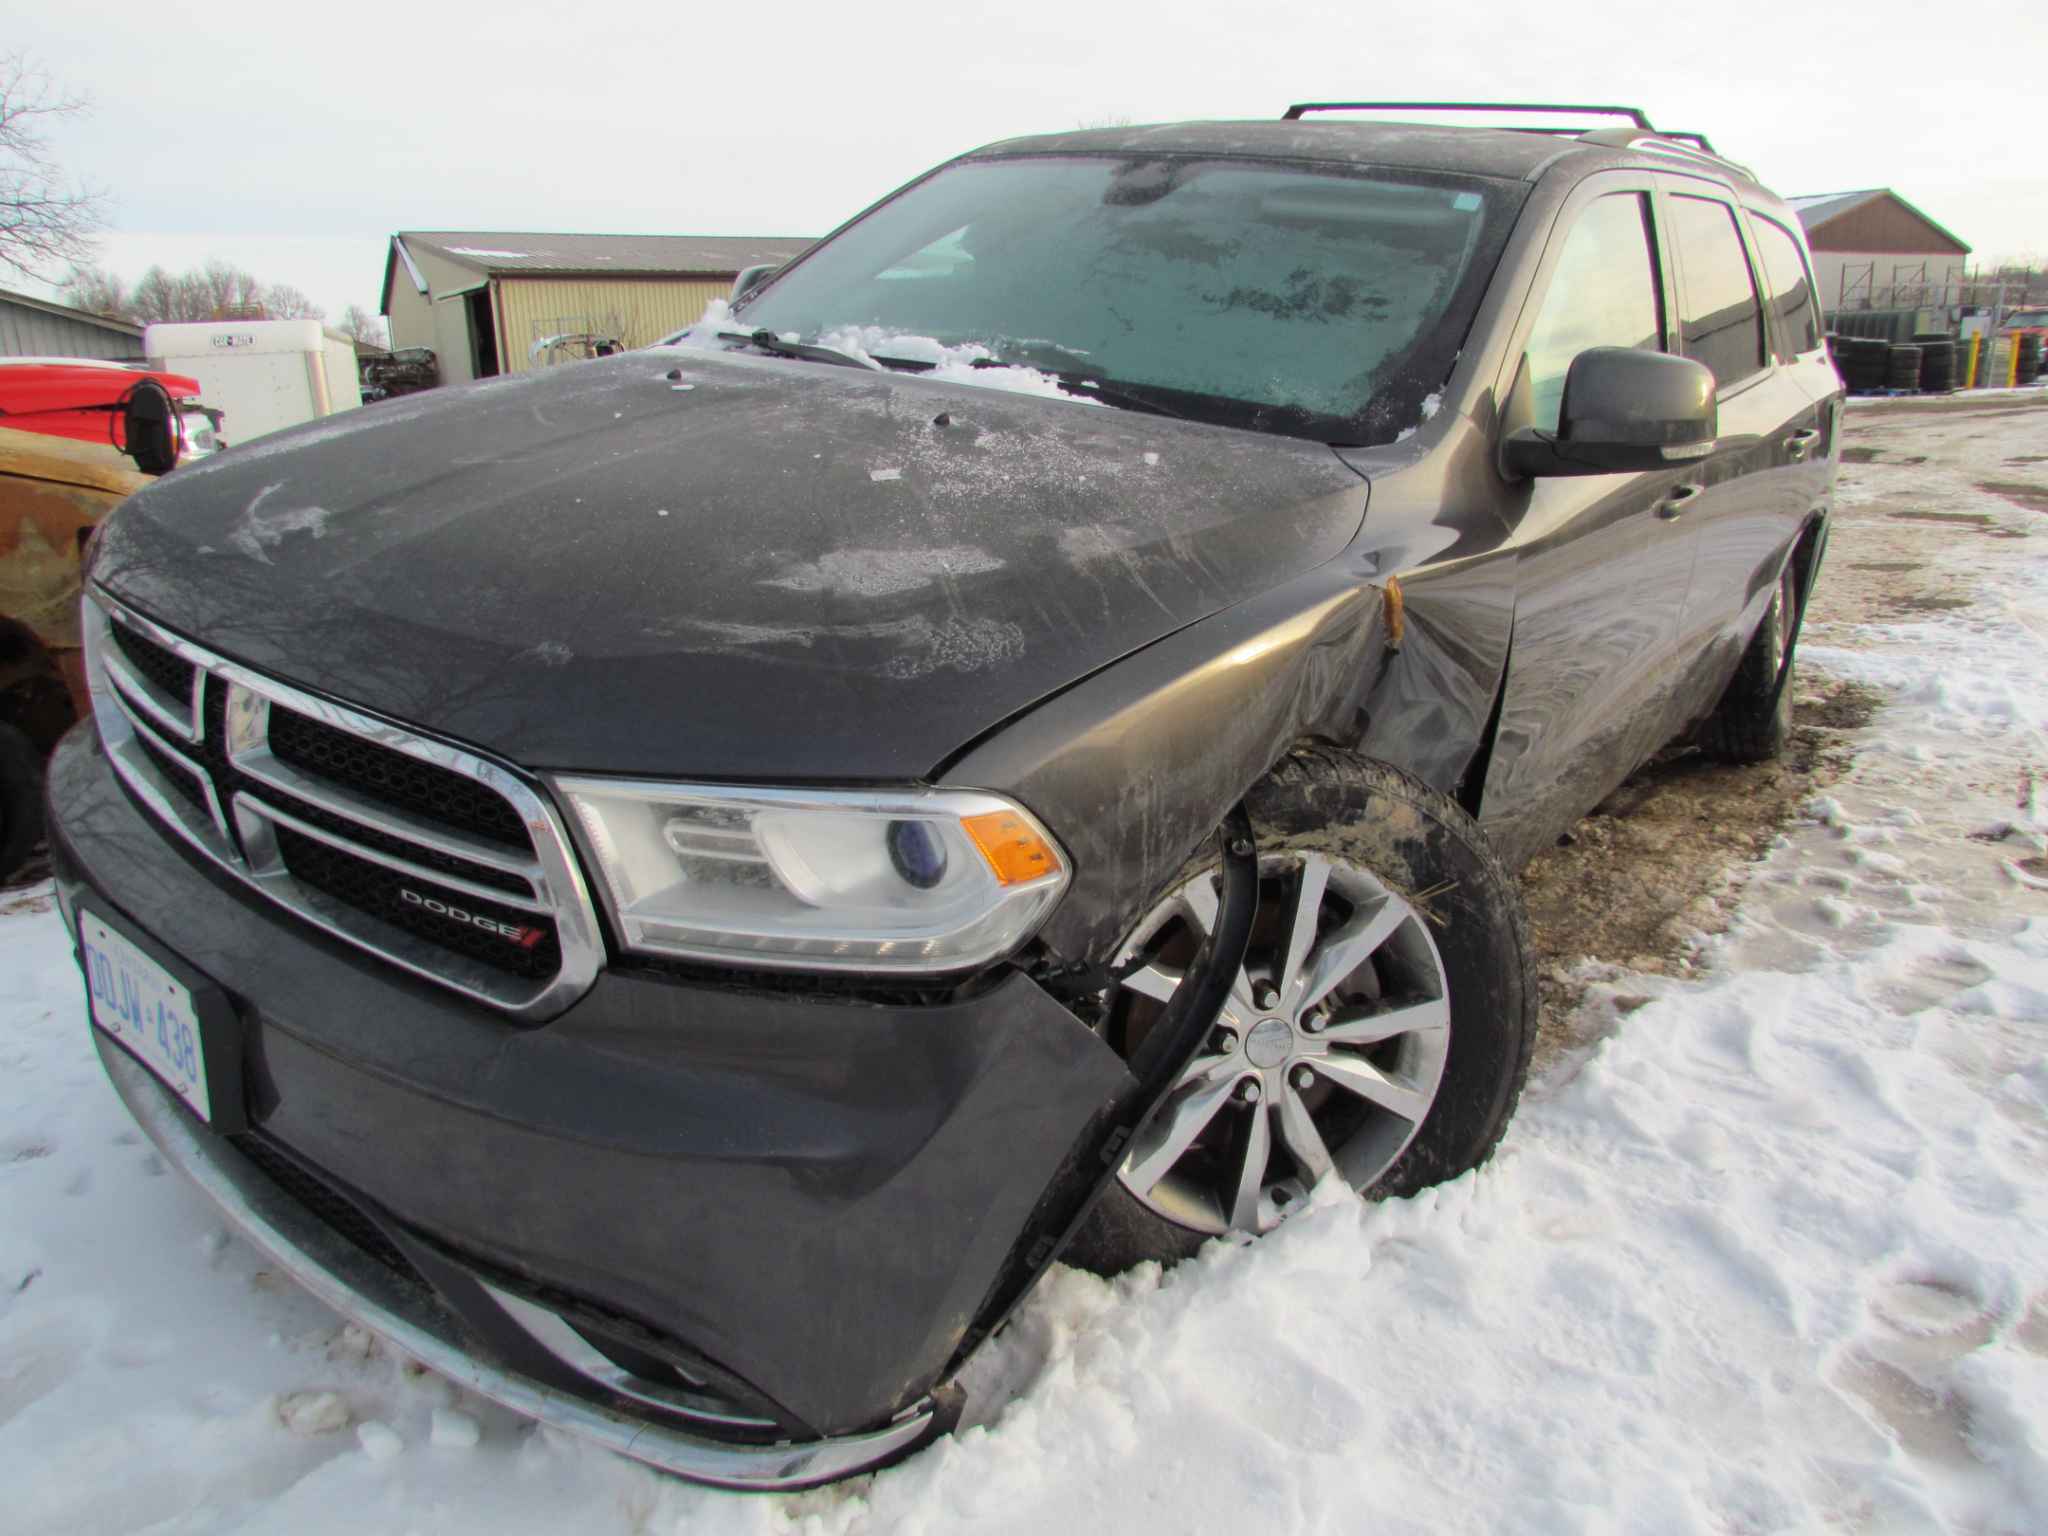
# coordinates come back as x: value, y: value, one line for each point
x: 53, y: 493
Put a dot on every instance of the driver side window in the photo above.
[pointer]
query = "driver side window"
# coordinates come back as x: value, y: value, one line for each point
x: 1603, y: 293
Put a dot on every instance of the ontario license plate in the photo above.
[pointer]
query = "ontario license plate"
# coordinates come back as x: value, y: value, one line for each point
x: 147, y: 1009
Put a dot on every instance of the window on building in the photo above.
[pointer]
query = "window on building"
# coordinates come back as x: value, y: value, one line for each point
x: 1722, y: 316
x: 1603, y: 293
x: 1792, y: 293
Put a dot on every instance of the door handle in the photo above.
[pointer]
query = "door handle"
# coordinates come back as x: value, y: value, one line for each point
x: 1672, y: 507
x: 1799, y: 442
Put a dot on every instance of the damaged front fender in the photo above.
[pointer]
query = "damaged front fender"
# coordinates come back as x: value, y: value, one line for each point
x: 1137, y: 765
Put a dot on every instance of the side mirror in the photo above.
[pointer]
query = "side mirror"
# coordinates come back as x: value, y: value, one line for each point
x: 749, y: 279
x: 1624, y: 410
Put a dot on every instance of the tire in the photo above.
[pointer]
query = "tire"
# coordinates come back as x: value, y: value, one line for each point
x: 1395, y: 855
x: 1753, y: 721
x: 21, y: 801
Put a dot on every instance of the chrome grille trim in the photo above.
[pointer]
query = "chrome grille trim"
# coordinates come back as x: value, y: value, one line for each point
x: 257, y: 763
x: 122, y: 731
x: 242, y: 839
x: 167, y: 712
x: 249, y: 806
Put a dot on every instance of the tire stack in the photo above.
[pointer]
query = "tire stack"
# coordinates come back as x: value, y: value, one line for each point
x: 1937, y: 364
x: 1860, y: 360
x: 2029, y: 343
x: 1902, y: 366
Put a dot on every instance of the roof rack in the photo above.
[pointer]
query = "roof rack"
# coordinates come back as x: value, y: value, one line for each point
x: 1302, y: 108
x: 1668, y: 141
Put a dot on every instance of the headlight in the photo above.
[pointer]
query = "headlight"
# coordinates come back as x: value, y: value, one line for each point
x: 908, y: 880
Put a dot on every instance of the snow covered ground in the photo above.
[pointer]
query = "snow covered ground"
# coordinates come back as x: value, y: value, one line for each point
x: 1772, y: 1256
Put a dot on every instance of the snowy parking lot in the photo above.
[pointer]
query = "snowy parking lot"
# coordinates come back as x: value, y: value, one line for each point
x: 1765, y: 1250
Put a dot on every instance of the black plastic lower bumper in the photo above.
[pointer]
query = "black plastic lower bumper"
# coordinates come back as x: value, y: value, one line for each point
x: 816, y: 1195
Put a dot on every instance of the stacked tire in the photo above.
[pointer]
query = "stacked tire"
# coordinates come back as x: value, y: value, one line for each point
x: 1937, y: 364
x: 1861, y: 361
x: 1902, y: 366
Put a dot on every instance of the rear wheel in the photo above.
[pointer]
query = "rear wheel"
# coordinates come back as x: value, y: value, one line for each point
x: 1753, y: 721
x: 1378, y: 1032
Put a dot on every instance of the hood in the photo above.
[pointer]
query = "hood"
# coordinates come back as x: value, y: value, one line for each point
x: 697, y: 565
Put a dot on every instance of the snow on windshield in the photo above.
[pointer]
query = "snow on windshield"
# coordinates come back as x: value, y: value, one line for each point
x: 968, y: 363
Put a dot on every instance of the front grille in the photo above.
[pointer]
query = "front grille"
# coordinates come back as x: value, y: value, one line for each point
x: 507, y: 921
x: 171, y: 673
x: 179, y: 781
x: 395, y: 778
x: 375, y: 889
x: 398, y: 848
x: 334, y: 1210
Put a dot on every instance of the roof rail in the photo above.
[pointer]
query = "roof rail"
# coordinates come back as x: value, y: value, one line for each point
x: 1679, y: 146
x: 1302, y: 108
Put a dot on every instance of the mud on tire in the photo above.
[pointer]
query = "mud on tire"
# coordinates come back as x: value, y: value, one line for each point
x: 1423, y: 847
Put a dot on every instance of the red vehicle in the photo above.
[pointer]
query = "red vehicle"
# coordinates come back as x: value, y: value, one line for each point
x: 137, y: 410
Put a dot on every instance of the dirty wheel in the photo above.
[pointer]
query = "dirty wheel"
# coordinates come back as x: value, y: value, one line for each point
x: 1379, y: 1031
x: 21, y: 801
x: 1753, y: 721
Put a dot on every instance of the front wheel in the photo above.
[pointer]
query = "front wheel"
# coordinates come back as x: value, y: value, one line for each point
x: 1378, y: 1032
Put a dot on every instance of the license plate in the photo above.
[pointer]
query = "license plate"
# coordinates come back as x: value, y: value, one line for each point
x: 147, y: 1009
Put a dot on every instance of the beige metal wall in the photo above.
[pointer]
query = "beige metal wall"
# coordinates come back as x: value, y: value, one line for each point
x: 644, y: 309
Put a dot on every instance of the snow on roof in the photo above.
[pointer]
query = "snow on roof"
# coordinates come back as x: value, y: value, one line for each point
x: 493, y: 251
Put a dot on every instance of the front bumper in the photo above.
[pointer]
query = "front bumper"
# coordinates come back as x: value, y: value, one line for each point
x: 811, y: 1199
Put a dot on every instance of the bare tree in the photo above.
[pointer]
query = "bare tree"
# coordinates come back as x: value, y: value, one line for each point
x: 97, y: 291
x: 358, y: 324
x: 46, y: 220
x: 281, y: 301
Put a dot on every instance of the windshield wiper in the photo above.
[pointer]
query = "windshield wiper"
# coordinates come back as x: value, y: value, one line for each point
x: 1129, y: 397
x: 809, y: 351
x: 1073, y: 375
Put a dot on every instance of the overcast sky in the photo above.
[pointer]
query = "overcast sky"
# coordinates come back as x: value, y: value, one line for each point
x: 293, y: 138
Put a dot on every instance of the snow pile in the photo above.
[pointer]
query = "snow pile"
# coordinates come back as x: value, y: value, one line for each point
x: 963, y: 363
x: 1771, y: 1256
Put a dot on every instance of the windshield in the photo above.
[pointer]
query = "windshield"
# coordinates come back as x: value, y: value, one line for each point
x: 1325, y: 302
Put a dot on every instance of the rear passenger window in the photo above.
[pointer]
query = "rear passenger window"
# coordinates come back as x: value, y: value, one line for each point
x: 1791, y: 285
x: 1724, y: 323
x: 1602, y: 294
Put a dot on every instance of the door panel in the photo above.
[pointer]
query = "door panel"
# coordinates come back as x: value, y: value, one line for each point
x: 1749, y: 508
x: 1600, y: 582
x: 1601, y: 576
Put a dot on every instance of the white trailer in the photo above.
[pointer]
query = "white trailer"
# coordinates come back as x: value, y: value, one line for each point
x: 262, y: 374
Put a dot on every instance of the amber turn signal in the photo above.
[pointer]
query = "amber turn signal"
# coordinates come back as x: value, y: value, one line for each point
x: 1012, y: 846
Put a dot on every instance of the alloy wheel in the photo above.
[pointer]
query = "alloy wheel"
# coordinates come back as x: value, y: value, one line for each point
x: 1325, y: 1058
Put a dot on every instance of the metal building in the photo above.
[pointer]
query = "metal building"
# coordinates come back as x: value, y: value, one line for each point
x: 1874, y: 250
x: 486, y: 300
x: 37, y: 328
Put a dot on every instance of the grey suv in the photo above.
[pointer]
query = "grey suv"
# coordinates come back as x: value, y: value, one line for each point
x: 674, y: 887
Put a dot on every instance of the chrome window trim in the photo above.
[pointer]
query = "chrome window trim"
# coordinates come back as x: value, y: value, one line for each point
x: 552, y: 871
